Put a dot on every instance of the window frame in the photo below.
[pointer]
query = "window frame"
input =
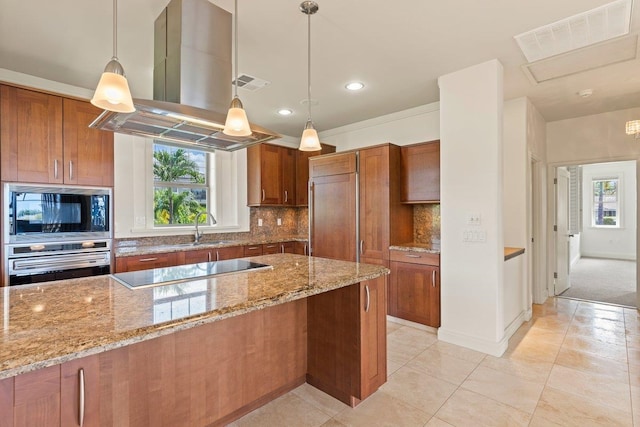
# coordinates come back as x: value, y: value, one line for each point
x: 208, y: 186
x: 619, y: 202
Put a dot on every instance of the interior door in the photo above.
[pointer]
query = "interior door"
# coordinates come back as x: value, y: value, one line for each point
x: 562, y: 282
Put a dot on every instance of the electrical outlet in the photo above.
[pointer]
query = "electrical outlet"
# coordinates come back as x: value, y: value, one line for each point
x: 279, y: 221
x: 259, y: 222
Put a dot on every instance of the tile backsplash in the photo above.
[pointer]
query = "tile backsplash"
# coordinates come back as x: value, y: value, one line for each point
x: 426, y: 223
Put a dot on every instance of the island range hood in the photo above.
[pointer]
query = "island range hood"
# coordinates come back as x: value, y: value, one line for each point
x: 191, y: 83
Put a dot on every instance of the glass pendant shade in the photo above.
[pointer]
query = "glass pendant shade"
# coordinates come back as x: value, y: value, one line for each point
x: 237, y: 123
x: 309, y: 140
x: 113, y: 92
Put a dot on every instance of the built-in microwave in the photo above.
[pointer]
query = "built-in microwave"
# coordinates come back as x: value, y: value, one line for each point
x: 40, y: 213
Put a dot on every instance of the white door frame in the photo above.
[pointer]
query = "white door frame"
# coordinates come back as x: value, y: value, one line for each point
x: 536, y: 243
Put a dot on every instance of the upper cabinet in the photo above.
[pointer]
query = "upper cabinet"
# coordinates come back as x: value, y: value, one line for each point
x: 46, y: 139
x: 278, y: 176
x: 421, y: 172
x: 302, y: 172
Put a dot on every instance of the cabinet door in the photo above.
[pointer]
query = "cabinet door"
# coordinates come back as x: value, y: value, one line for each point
x: 374, y: 203
x: 421, y: 172
x: 373, y: 332
x: 252, y: 250
x: 271, y: 175
x: 301, y: 248
x: 6, y: 402
x: 229, y: 252
x: 333, y: 216
x: 80, y: 392
x: 37, y: 398
x: 31, y: 134
x: 415, y: 293
x: 194, y: 257
x: 288, y: 176
x: 271, y: 248
x: 288, y: 247
x: 145, y: 262
x: 88, y: 153
x: 302, y: 172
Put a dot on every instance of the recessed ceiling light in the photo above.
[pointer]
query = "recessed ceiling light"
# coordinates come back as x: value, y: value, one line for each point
x: 585, y: 93
x: 285, y: 112
x: 354, y: 85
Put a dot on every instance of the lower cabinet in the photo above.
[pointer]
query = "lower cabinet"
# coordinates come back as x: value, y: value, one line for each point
x: 347, y: 340
x: 213, y: 254
x: 301, y: 248
x: 414, y: 291
x: 145, y: 262
x: 271, y: 248
x: 6, y: 402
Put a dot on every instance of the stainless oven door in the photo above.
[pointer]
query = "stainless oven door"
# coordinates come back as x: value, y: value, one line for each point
x: 39, y: 269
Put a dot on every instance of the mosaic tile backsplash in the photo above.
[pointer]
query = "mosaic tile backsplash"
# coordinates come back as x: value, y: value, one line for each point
x: 426, y: 223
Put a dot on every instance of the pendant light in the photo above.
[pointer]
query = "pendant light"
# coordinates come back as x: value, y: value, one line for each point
x: 113, y: 92
x: 309, y: 140
x: 237, y: 123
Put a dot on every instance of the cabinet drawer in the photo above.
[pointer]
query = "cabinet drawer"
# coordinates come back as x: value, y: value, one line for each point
x: 253, y: 250
x: 271, y: 248
x: 145, y: 262
x: 415, y: 257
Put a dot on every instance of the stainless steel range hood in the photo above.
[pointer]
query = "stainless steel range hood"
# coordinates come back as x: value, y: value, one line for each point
x: 191, y: 82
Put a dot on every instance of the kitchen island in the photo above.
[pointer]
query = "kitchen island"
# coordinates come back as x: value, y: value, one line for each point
x: 202, y: 352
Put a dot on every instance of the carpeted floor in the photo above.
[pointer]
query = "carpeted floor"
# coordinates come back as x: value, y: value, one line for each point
x: 604, y: 280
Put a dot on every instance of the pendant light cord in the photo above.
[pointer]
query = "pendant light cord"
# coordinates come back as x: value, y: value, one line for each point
x: 115, y: 29
x: 235, y: 35
x: 309, y: 64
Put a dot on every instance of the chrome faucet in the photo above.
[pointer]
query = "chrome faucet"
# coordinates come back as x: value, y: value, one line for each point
x: 198, y: 234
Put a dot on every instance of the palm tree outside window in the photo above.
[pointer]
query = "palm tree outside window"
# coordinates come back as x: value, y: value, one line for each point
x: 180, y: 184
x: 606, y: 203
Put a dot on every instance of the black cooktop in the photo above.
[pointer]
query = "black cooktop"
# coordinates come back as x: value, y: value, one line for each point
x: 183, y: 273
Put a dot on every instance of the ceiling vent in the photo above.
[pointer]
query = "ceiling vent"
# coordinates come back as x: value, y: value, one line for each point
x: 584, y: 29
x: 250, y: 83
x: 588, y: 58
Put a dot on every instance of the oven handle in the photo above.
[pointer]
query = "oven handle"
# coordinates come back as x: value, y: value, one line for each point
x: 42, y: 264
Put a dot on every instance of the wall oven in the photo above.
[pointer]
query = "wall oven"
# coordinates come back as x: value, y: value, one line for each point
x: 55, y: 232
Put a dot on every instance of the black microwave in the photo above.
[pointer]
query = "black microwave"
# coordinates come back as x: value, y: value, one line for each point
x: 43, y: 213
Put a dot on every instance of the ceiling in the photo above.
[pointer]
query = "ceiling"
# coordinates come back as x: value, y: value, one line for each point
x: 398, y: 52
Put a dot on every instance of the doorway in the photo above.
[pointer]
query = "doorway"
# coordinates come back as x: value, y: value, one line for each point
x: 596, y: 232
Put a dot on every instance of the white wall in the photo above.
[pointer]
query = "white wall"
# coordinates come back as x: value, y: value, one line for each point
x: 574, y: 248
x: 410, y: 126
x: 617, y: 243
x: 471, y: 128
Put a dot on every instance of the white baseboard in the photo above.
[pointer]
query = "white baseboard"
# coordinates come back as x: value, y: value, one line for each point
x: 412, y: 324
x: 608, y: 255
x: 489, y: 347
x: 524, y: 316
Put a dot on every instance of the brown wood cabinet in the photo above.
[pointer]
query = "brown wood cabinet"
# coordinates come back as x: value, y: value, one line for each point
x: 271, y: 248
x: 302, y: 172
x: 421, y: 172
x: 80, y: 405
x: 301, y: 248
x: 37, y: 398
x: 252, y: 250
x: 414, y: 291
x: 383, y: 220
x: 213, y: 254
x: 288, y: 247
x: 6, y: 402
x: 46, y: 139
x: 347, y: 340
x: 270, y: 175
x: 144, y: 262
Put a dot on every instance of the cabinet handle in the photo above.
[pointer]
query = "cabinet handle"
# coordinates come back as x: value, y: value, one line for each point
x: 286, y: 196
x: 263, y: 194
x: 412, y: 256
x: 271, y: 246
x: 433, y: 278
x: 55, y: 168
x: 305, y: 249
x: 147, y: 259
x: 217, y: 255
x: 252, y: 248
x: 281, y: 248
x: 70, y: 169
x: 81, y: 397
x: 368, y: 301
x: 361, y: 247
x: 209, y: 256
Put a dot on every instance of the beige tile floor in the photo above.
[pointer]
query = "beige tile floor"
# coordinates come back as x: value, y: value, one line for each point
x: 574, y: 364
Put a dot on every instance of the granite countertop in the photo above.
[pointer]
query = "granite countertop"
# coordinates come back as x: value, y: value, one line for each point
x: 47, y: 324
x: 510, y: 252
x: 131, y: 249
x: 417, y: 247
